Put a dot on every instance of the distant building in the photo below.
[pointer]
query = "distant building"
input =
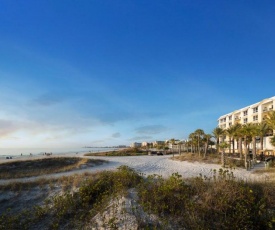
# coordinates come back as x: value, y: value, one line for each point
x: 156, y: 143
x: 144, y: 144
x: 135, y: 145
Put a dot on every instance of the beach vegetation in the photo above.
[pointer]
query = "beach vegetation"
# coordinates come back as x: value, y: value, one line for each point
x: 246, y: 136
x: 219, y: 201
x: 218, y: 133
x: 38, y: 167
x: 122, y: 152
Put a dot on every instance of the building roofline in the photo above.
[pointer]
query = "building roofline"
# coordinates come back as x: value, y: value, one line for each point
x: 247, y: 107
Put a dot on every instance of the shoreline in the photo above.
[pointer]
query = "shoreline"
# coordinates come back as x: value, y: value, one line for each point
x: 20, y: 154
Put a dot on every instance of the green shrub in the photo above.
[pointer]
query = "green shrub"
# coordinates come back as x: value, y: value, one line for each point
x: 219, y: 202
x: 74, y: 209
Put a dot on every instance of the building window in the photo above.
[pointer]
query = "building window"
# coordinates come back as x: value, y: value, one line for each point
x: 245, y: 113
x: 223, y: 120
x: 230, y: 124
x: 245, y: 120
x: 255, y: 110
x: 230, y: 118
x: 255, y: 118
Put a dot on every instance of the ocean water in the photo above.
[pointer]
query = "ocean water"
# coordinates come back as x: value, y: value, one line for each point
x: 39, y: 151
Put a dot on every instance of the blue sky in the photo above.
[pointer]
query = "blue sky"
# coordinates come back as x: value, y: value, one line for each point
x: 96, y: 73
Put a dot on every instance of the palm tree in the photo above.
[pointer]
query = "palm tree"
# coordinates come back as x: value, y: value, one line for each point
x: 223, y: 146
x: 172, y: 141
x: 269, y: 119
x: 249, y: 132
x: 179, y: 146
x: 272, y: 141
x: 230, y: 132
x: 255, y: 130
x: 236, y: 127
x: 238, y: 135
x: 192, y: 139
x: 262, y: 131
x: 199, y: 133
x: 206, y: 139
x: 218, y: 132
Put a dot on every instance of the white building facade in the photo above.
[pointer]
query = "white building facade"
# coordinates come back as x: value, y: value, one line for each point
x: 250, y: 114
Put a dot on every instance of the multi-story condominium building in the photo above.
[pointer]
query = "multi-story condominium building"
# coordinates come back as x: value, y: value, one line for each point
x: 252, y: 113
x: 249, y: 114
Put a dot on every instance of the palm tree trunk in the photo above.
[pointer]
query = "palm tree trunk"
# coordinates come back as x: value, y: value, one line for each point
x: 245, y: 152
x: 218, y: 145
x: 233, y: 145
x: 254, y: 148
x: 205, y: 149
x: 262, y: 142
x: 240, y: 147
x: 229, y: 145
x: 199, y: 146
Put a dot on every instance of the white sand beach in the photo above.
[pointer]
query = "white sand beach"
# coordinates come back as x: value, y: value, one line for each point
x: 147, y: 165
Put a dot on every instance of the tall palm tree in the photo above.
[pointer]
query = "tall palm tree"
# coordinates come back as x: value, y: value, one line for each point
x: 206, y: 140
x: 255, y: 130
x: 263, y: 130
x: 269, y: 119
x: 218, y: 132
x: 236, y: 128
x: 230, y: 132
x: 192, y: 139
x: 199, y: 133
x: 247, y: 131
x: 238, y: 135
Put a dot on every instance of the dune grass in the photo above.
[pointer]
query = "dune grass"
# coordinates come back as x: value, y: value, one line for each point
x: 212, y: 158
x: 193, y: 157
x: 123, y: 152
x: 29, y: 168
x: 219, y: 202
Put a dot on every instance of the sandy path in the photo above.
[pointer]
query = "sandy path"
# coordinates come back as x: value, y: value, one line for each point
x: 148, y: 165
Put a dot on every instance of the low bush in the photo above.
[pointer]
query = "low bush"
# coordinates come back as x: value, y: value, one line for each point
x: 74, y: 209
x: 217, y: 202
x: 234, y: 163
x: 192, y: 157
x: 29, y: 168
x: 220, y: 202
x: 123, y: 152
